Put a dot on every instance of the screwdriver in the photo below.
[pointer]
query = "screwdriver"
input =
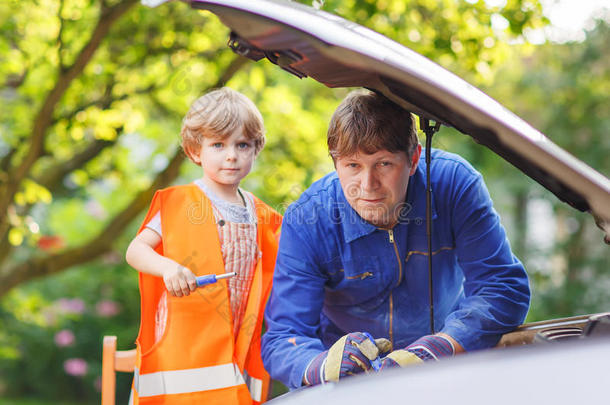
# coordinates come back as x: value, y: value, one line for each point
x: 212, y: 278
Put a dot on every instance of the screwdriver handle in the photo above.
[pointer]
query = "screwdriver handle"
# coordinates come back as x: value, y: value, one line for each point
x: 212, y: 278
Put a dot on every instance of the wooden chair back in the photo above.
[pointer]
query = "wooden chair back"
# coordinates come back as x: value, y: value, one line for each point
x: 114, y: 360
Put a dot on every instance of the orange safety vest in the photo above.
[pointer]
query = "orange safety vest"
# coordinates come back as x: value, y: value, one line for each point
x: 198, y: 359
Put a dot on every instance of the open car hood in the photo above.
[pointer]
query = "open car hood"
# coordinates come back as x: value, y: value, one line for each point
x: 339, y: 53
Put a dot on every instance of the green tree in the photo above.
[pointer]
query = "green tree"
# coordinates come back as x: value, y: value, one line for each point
x: 470, y: 38
x: 94, y: 92
x: 562, y: 89
x: 85, y: 82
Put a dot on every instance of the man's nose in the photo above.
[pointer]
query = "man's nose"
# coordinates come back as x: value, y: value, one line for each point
x: 369, y: 180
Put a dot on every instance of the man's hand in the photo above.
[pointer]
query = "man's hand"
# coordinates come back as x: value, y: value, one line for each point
x: 352, y: 354
x: 430, y: 347
x: 179, y: 280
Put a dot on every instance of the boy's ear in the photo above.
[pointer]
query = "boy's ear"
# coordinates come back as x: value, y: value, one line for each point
x: 193, y: 153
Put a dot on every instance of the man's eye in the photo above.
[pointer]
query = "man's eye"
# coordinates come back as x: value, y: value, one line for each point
x: 385, y: 164
x: 352, y: 165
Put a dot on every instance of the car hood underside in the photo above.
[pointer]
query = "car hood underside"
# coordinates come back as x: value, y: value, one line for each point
x: 338, y: 53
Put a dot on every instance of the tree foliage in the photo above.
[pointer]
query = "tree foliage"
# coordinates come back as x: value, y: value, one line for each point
x: 469, y: 38
x: 94, y: 92
x: 562, y: 89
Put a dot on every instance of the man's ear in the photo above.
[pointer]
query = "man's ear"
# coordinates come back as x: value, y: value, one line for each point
x: 192, y: 152
x: 415, y: 159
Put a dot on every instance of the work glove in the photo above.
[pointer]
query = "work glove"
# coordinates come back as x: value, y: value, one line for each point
x: 429, y: 347
x: 352, y: 354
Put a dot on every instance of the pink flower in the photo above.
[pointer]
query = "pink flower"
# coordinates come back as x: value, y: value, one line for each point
x: 112, y: 257
x: 95, y: 209
x: 97, y: 384
x: 71, y: 306
x: 107, y: 308
x: 64, y: 338
x: 75, y: 367
x: 50, y: 315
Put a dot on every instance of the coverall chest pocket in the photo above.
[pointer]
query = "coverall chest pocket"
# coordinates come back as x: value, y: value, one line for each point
x: 355, y: 281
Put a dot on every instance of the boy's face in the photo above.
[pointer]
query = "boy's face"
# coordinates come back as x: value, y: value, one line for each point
x: 375, y: 185
x: 226, y: 161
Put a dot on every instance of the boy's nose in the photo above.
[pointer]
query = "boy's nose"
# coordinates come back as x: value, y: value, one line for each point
x: 231, y: 154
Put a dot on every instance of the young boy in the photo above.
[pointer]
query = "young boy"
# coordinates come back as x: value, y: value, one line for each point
x: 203, y: 346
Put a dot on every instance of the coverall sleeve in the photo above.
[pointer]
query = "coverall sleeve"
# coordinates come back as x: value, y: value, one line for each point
x: 496, y: 285
x: 293, y: 311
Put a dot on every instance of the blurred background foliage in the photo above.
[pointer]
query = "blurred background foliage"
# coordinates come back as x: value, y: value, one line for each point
x: 93, y: 93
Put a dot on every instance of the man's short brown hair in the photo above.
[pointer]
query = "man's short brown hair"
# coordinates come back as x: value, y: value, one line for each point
x: 369, y: 122
x: 218, y: 114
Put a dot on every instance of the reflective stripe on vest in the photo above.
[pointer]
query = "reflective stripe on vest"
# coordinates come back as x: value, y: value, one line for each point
x: 195, y: 380
x: 255, y: 386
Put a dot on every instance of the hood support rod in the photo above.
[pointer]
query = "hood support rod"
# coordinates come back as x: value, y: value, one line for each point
x: 429, y: 130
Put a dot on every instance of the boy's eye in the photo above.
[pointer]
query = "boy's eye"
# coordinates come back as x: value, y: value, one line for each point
x: 243, y: 145
x: 352, y: 165
x: 385, y: 164
x: 217, y: 145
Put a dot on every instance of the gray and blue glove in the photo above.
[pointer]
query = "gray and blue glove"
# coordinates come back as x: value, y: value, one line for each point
x: 429, y: 347
x: 352, y: 354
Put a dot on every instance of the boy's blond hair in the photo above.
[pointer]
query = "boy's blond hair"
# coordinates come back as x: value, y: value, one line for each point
x: 369, y: 122
x: 218, y: 114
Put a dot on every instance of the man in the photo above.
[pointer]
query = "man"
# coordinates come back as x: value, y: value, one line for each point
x: 353, y: 259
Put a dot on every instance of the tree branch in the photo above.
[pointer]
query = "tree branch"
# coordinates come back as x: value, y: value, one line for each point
x: 13, y: 275
x: 44, y: 117
x: 46, y: 265
x: 5, y: 164
x: 107, y: 100
x: 236, y: 64
x: 104, y: 102
x: 16, y: 80
x: 51, y: 177
x: 60, y: 42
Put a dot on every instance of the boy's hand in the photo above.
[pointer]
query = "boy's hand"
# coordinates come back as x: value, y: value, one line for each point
x: 179, y: 281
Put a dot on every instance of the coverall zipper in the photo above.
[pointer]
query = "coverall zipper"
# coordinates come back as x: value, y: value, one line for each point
x: 393, y: 242
x: 361, y: 276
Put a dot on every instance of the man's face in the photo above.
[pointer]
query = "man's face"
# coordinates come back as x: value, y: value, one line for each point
x: 375, y: 185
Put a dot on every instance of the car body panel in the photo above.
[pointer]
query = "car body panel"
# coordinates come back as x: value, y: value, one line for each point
x: 340, y: 53
x: 556, y: 373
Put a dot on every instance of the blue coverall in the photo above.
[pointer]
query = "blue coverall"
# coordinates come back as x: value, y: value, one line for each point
x: 336, y: 273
